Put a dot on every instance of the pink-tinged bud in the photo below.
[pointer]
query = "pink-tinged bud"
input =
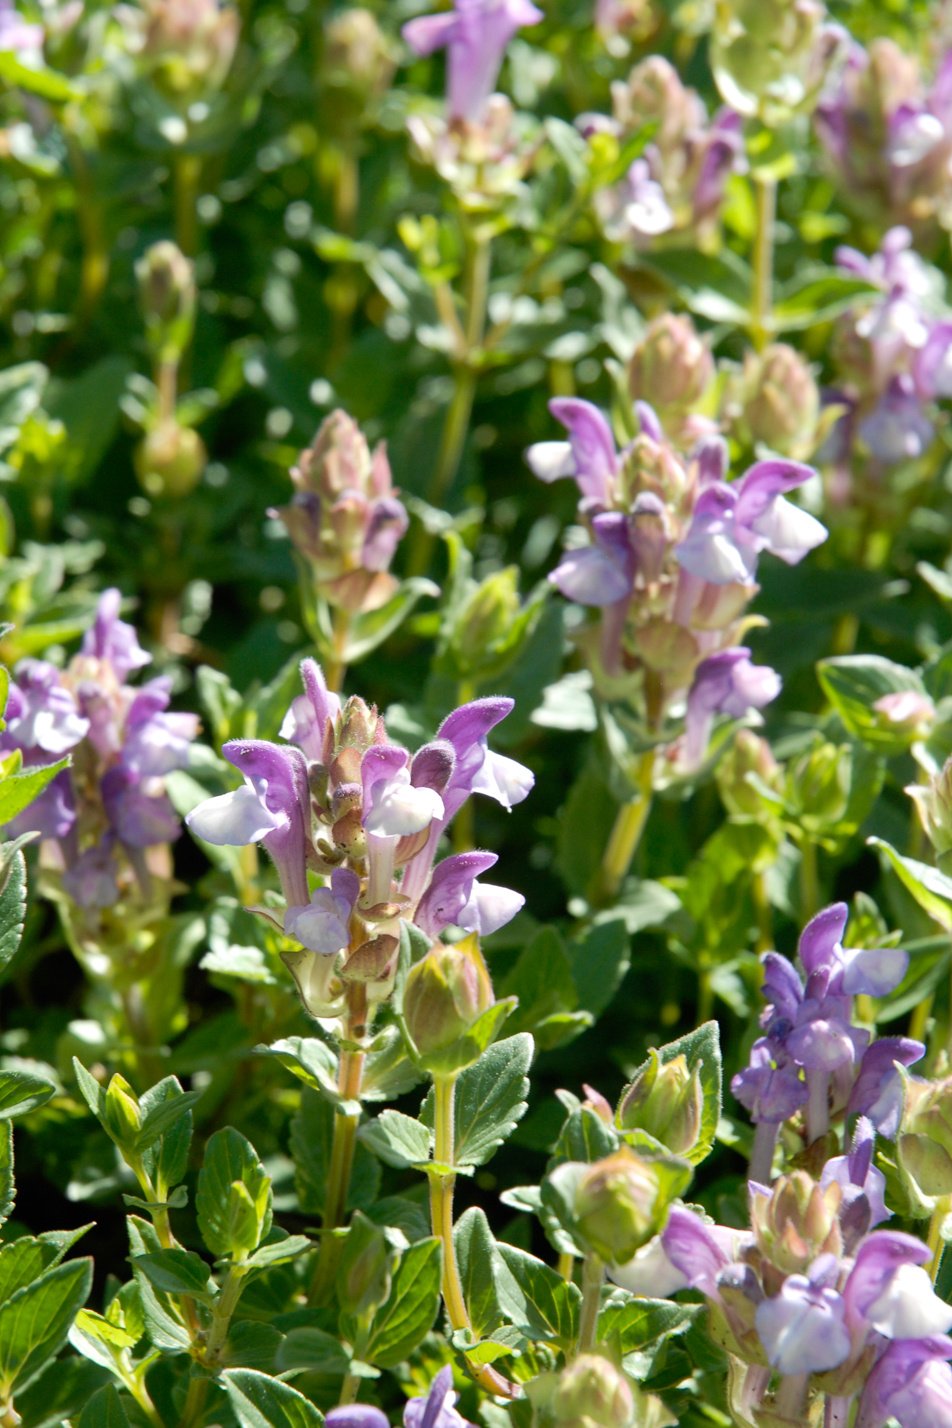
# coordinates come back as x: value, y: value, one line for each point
x: 654, y: 93
x: 934, y: 805
x: 797, y: 1221
x: 169, y: 461
x: 358, y: 63
x: 906, y: 711
x: 188, y: 46
x: 671, y: 368
x: 591, y: 1390
x: 620, y: 1205
x: 777, y: 402
x: 666, y: 1101
x: 446, y: 993
x: 345, y: 518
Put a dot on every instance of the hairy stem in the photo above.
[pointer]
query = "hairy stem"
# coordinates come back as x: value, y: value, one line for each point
x: 593, y: 1277
x: 809, y: 881
x: 761, y: 1156
x: 442, y: 1185
x: 349, y: 1078
x: 935, y: 1241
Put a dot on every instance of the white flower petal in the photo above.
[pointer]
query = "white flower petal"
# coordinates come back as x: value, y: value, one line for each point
x: 503, y: 779
x: 908, y: 1308
x: 550, y: 460
x: 234, y: 819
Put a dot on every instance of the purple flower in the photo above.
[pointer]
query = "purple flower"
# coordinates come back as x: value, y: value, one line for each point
x: 273, y: 807
x: 911, y: 1383
x: 356, y: 1415
x: 454, y: 897
x: 589, y: 456
x: 15, y: 34
x: 41, y: 713
x: 323, y: 924
x: 877, y: 1090
x: 476, y: 33
x: 725, y: 683
x: 857, y: 1176
x: 603, y: 573
x: 394, y: 805
x: 437, y: 1409
x: 113, y: 640
x: 770, y: 1086
x: 478, y: 768
x: 91, y: 879
x: 695, y: 1250
x: 889, y: 1292
x: 897, y: 429
x: 310, y: 715
x: 803, y: 1328
x: 731, y: 525
x: 933, y: 363
x: 140, y: 818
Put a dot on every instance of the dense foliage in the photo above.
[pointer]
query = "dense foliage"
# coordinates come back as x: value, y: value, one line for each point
x: 476, y: 694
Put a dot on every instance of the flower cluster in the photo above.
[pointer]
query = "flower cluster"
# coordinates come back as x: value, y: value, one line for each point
x: 812, y: 1056
x: 811, y: 1289
x: 340, y: 799
x: 888, y: 135
x: 671, y: 561
x: 185, y: 46
x: 676, y: 186
x: 894, y: 357
x: 106, y: 821
x: 345, y: 519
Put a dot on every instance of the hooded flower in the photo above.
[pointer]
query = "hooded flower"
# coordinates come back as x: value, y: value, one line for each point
x: 476, y: 33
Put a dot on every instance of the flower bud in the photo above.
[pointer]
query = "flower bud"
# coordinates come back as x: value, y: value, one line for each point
x: 924, y: 1144
x: 169, y: 461
x: 482, y: 628
x: 770, y: 56
x: 446, y: 993
x: 120, y: 1111
x: 779, y: 402
x: 671, y: 368
x: 619, y: 1205
x: 906, y: 713
x: 666, y: 1101
x: 591, y: 1390
x: 188, y: 46
x: 797, y: 1221
x: 358, y: 62
x: 166, y: 281
x: 817, y: 786
x: 749, y: 762
x: 345, y: 519
x: 360, y: 727
x: 934, y: 806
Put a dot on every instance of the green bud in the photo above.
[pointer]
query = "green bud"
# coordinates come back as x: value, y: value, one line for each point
x: 591, y: 1390
x: 924, y: 1144
x: 483, y: 626
x: 934, y: 806
x: 446, y: 993
x: 797, y: 1221
x: 747, y: 767
x: 167, y: 298
x: 358, y: 62
x: 665, y: 1100
x: 170, y: 460
x: 779, y: 402
x: 359, y: 723
x: 366, y: 1267
x: 619, y: 1205
x: 121, y: 1115
x: 188, y: 48
x: 818, y: 785
x: 671, y: 368
x: 770, y: 56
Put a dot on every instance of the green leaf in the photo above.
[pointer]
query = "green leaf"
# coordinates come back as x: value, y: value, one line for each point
x: 312, y: 1133
x: 176, y: 1271
x: 24, y: 1260
x: 584, y: 1136
x: 7, y: 1187
x: 88, y: 405
x: 931, y: 889
x: 600, y: 960
x: 104, y: 1410
x: 715, y: 287
x: 280, y: 1251
x: 35, y: 1321
x: 490, y: 1098
x: 702, y: 1051
x: 853, y: 683
x: 12, y: 908
x: 370, y: 630
x: 537, y: 1298
x: 21, y: 1092
x: 165, y: 1134
x: 402, y: 1323
x: 44, y: 83
x: 164, y: 1112
x: 18, y: 790
x: 543, y: 982
x: 308, y: 1058
x: 475, y: 1250
x: 161, y: 1311
x: 21, y: 389
x: 636, y: 1330
x: 817, y: 295
x: 233, y: 1198
x: 398, y: 1140
x: 313, y: 1349
x: 259, y: 1401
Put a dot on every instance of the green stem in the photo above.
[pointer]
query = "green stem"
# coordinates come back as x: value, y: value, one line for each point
x: 349, y: 1077
x: 625, y: 836
x: 335, y: 667
x: 442, y: 1185
x: 593, y: 1277
x: 94, y: 270
x: 225, y: 1306
x: 935, y: 1241
x: 194, y: 1407
x: 761, y: 308
x: 809, y: 881
x: 187, y: 175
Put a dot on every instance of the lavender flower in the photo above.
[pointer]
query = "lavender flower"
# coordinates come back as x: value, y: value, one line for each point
x: 911, y: 1383
x: 725, y: 683
x: 16, y: 35
x: 437, y: 1409
x: 476, y: 33
x: 106, y: 822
